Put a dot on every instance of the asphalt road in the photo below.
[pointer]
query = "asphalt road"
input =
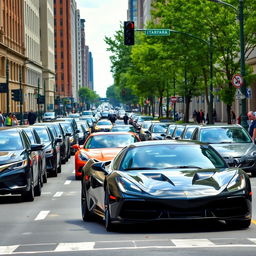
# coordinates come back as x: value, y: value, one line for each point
x: 52, y: 225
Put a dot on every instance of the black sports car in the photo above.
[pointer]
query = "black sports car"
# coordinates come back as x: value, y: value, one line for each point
x: 166, y: 180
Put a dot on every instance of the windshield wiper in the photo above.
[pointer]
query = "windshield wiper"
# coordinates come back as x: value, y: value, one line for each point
x: 141, y: 168
x: 183, y: 167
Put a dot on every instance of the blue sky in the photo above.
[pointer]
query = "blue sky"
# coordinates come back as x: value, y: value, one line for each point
x: 102, y: 18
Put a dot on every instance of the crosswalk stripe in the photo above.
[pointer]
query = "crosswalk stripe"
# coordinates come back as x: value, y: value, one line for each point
x: 67, y: 182
x: 192, y: 242
x: 8, y: 249
x: 42, y: 215
x: 58, y: 194
x: 66, y: 247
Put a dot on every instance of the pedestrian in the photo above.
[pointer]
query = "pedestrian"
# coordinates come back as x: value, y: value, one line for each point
x: 14, y: 120
x: 194, y: 115
x: 252, y: 127
x: 31, y: 118
x: 200, y: 117
x: 126, y: 119
x: 8, y: 120
x: 1, y: 119
x: 233, y: 117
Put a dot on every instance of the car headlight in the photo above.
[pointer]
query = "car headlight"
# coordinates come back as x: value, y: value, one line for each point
x: 71, y: 139
x: 253, y: 153
x: 14, y: 166
x: 83, y: 157
x: 237, y: 183
x: 126, y: 186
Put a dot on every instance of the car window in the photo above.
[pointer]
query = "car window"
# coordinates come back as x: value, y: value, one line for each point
x: 110, y: 141
x: 43, y: 134
x: 10, y: 140
x: 171, y: 156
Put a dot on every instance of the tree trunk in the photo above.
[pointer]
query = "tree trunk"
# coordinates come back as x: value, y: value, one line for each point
x: 229, y: 114
x: 187, y: 104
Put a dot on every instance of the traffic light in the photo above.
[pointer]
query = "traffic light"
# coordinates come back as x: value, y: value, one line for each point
x: 129, y: 33
x: 41, y: 99
x: 17, y: 95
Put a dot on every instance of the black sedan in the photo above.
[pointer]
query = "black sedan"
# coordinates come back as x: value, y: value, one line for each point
x: 19, y: 165
x: 232, y: 142
x: 167, y: 180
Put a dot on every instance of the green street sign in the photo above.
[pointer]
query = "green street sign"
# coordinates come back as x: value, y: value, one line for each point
x: 157, y: 32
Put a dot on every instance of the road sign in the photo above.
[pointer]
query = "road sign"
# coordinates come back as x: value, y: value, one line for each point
x: 180, y: 100
x: 237, y: 81
x: 173, y: 99
x: 157, y: 32
x: 239, y: 95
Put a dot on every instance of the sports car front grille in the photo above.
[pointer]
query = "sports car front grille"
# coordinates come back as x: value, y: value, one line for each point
x: 162, y: 210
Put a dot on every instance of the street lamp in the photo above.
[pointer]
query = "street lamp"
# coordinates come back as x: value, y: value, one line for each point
x: 242, y: 57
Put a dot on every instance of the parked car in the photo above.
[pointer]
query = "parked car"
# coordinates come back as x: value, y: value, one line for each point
x: 83, y: 133
x: 188, y: 131
x: 103, y: 125
x: 232, y: 142
x: 19, y: 165
x: 166, y: 180
x: 52, y: 149
x: 49, y: 116
x: 156, y: 131
x: 102, y: 146
x: 35, y: 139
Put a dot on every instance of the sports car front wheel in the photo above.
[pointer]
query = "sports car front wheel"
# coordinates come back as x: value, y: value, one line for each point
x: 108, y: 222
x: 239, y: 224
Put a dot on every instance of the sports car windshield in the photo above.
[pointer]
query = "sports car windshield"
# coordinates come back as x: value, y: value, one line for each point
x: 225, y: 135
x: 171, y: 156
x: 110, y: 141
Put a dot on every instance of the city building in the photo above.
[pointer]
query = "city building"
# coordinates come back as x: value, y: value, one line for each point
x: 78, y: 52
x: 63, y: 52
x: 47, y: 52
x: 12, y: 52
x: 91, y: 80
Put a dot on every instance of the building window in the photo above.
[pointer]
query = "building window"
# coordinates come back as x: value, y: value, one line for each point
x: 61, y: 43
x: 61, y: 22
x: 62, y: 87
x: 62, y: 55
x: 61, y: 12
x: 62, y: 76
x: 62, y: 65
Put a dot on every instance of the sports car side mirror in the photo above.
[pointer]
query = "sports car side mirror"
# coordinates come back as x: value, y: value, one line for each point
x: 100, y: 167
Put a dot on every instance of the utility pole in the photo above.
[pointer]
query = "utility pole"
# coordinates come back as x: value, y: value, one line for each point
x: 7, y: 85
x: 38, y: 100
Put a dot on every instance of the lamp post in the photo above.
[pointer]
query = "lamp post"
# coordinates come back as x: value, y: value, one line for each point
x: 242, y: 57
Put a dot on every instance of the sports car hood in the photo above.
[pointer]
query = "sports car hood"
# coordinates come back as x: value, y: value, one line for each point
x: 234, y: 149
x: 102, y: 154
x: 7, y: 157
x: 182, y: 183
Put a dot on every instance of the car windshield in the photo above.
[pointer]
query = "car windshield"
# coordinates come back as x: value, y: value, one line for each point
x: 30, y: 135
x: 68, y: 127
x: 10, y: 141
x: 49, y: 114
x: 171, y: 129
x: 110, y: 141
x: 160, y: 128
x: 105, y: 122
x: 225, y: 135
x: 43, y: 134
x: 178, y: 131
x: 172, y: 156
x: 123, y: 128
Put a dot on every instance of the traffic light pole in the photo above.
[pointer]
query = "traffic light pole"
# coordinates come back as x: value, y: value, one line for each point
x: 21, y: 98
x: 7, y: 85
x: 38, y: 95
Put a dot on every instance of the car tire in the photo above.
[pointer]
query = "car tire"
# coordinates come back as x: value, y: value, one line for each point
x: 59, y: 169
x: 45, y: 177
x: 108, y: 222
x: 86, y: 213
x: 29, y: 196
x: 239, y: 224
x: 38, y: 188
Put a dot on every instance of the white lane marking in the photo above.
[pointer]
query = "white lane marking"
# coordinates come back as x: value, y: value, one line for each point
x: 8, y: 249
x: 46, y: 193
x: 192, y: 242
x: 252, y: 240
x: 58, y: 194
x: 66, y: 247
x: 67, y: 182
x: 42, y: 215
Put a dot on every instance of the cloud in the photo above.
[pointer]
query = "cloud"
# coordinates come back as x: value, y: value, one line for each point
x: 102, y: 19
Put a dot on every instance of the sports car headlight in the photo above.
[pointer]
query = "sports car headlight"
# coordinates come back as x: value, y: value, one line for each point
x: 83, y: 157
x: 14, y: 166
x: 126, y: 186
x: 237, y: 183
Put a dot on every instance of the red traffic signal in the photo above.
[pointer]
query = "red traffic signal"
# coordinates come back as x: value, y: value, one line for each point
x: 129, y: 33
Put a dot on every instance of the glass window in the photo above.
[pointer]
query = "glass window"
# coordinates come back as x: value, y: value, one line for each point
x: 43, y: 134
x: 10, y: 140
x: 172, y: 156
